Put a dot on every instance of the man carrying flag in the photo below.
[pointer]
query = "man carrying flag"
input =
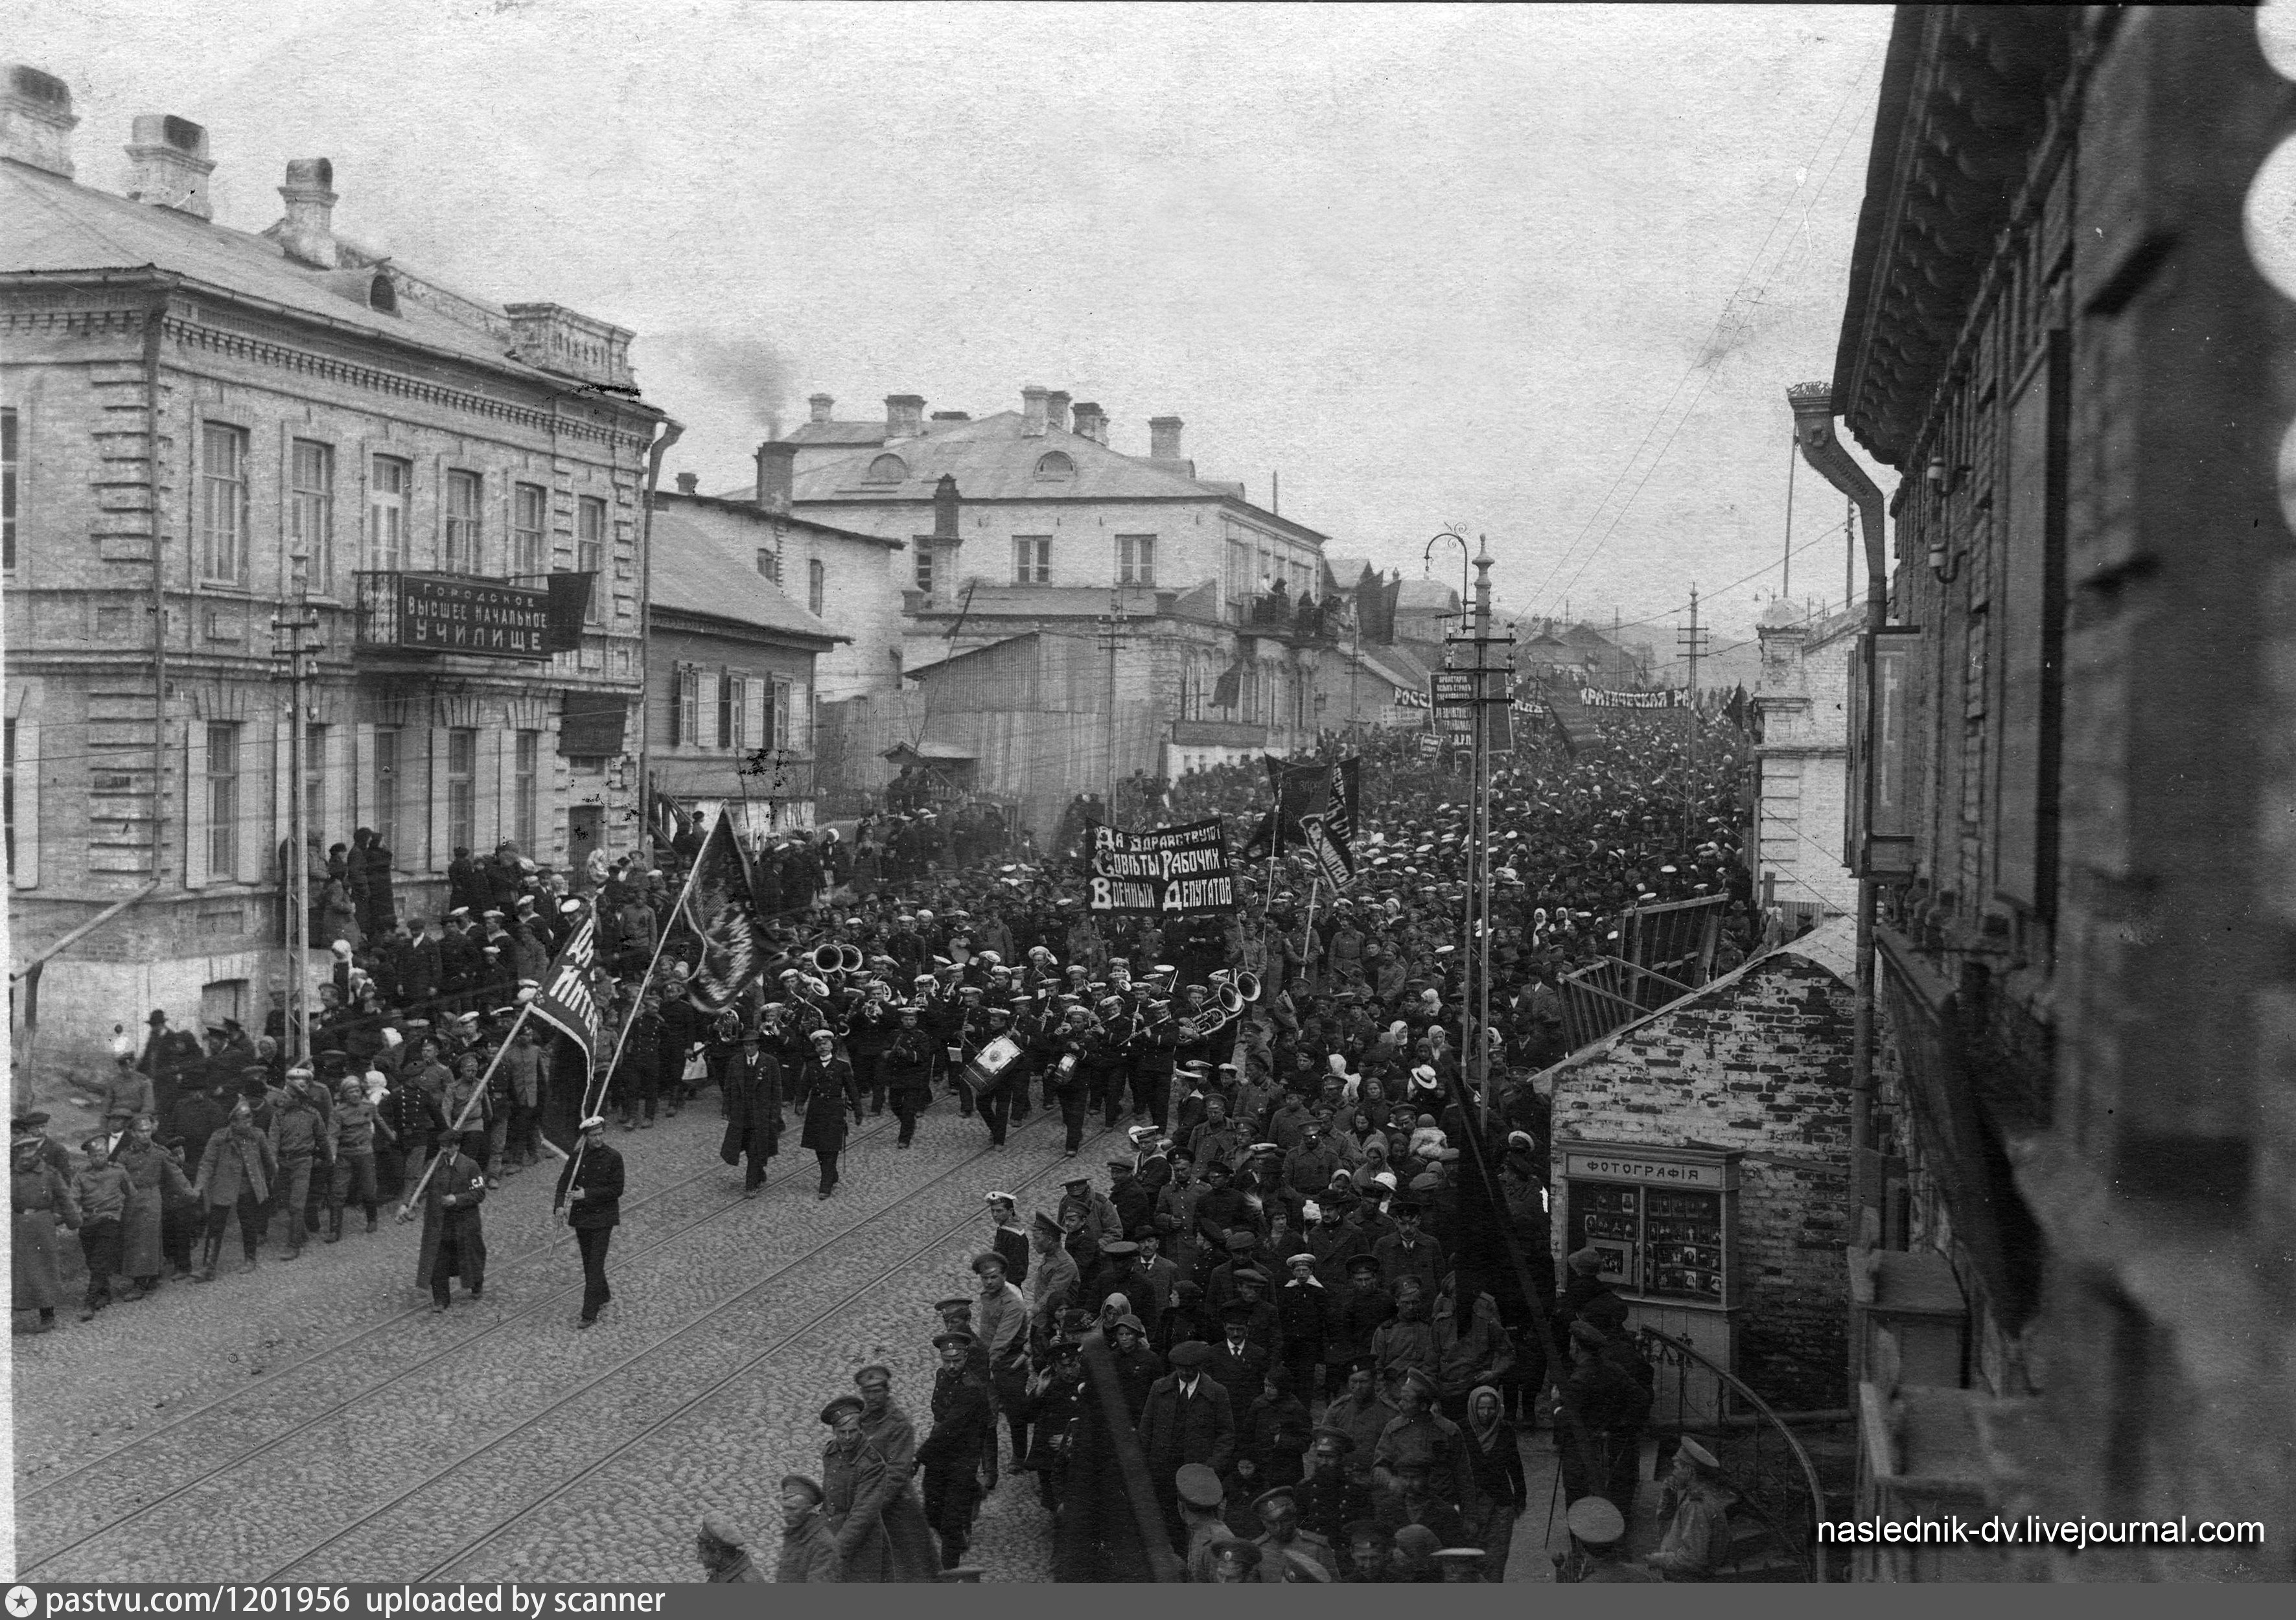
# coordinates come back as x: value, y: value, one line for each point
x: 591, y: 1185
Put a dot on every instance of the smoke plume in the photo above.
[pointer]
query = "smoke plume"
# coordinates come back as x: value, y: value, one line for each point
x: 752, y: 371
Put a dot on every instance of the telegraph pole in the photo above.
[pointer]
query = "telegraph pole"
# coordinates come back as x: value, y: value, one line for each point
x: 299, y: 654
x: 1479, y: 856
x: 1112, y: 625
x: 1692, y: 642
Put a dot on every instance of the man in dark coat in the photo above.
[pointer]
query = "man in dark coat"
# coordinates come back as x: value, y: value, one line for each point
x: 825, y: 1090
x: 753, y: 1111
x: 592, y: 1185
x: 1188, y: 1419
x: 964, y: 1423
x: 454, y: 1237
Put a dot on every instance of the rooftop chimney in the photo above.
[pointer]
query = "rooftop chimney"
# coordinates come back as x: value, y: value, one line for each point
x: 945, y: 503
x: 1092, y: 423
x: 170, y: 164
x: 1056, y: 409
x: 1164, y: 445
x: 904, y: 416
x: 822, y: 405
x: 36, y: 120
x: 1032, y: 412
x: 308, y: 232
x: 688, y: 482
x: 776, y: 465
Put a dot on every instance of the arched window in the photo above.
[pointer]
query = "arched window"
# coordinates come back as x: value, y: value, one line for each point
x: 888, y: 470
x: 1055, y: 464
x: 381, y: 295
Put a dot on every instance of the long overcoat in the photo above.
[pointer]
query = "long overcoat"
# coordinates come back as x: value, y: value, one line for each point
x: 40, y: 1196
x: 753, y: 1107
x: 828, y: 1094
x: 916, y: 1556
x: 466, y: 1259
x: 854, y: 1487
x: 154, y: 1180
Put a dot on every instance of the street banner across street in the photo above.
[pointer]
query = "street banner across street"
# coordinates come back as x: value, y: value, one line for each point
x: 1171, y: 871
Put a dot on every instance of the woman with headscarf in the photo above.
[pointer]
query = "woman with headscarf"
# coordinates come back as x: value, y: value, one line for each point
x: 39, y: 1198
x: 1497, y: 1467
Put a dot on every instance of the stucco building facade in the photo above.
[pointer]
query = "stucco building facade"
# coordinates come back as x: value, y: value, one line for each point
x: 191, y: 409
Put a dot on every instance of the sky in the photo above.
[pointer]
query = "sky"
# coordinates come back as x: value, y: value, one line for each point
x: 1540, y: 274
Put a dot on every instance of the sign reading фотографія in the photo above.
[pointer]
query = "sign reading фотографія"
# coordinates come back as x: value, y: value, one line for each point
x: 483, y: 619
x: 1173, y: 870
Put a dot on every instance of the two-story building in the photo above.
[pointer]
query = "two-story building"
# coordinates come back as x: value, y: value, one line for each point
x: 729, y: 674
x: 1152, y: 615
x: 210, y: 430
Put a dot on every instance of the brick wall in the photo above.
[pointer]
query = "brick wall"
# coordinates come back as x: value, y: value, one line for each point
x: 1757, y: 1061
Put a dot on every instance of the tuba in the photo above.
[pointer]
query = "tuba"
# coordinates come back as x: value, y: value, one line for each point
x: 1246, y: 985
x: 828, y: 959
x: 849, y: 958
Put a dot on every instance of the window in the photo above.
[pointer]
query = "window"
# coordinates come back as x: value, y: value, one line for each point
x: 1056, y: 466
x: 386, y: 495
x: 223, y: 797
x: 887, y: 469
x: 529, y: 531
x: 924, y: 569
x: 684, y: 706
x: 727, y: 707
x: 7, y: 489
x: 463, y: 493
x: 1032, y: 560
x: 590, y: 551
x: 311, y: 510
x: 526, y: 768
x: 783, y: 737
x: 461, y: 788
x: 314, y: 781
x: 8, y: 786
x: 769, y: 563
x: 383, y: 815
x: 1135, y: 560
x: 816, y: 580
x: 223, y: 503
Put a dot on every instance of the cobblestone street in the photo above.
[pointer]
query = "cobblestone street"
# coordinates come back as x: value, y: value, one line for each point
x: 315, y: 1420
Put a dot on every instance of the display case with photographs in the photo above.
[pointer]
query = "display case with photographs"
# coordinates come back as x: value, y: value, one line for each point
x: 1660, y: 1218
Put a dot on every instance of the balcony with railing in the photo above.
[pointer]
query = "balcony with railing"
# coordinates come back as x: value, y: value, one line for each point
x: 1303, y: 621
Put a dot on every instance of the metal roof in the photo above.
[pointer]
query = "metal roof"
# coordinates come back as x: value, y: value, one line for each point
x: 697, y: 572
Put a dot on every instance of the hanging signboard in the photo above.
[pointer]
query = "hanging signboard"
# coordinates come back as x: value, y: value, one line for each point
x: 443, y: 614
x: 1171, y: 872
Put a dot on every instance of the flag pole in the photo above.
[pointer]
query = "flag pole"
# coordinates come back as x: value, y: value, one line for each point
x: 455, y: 1131
x: 602, y: 1078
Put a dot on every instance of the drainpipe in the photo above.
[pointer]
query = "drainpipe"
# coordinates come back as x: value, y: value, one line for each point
x: 671, y: 432
x: 154, y: 328
x: 1813, y: 412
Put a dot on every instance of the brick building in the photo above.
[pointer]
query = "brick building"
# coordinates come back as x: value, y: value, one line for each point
x: 2069, y: 323
x: 1801, y: 763
x: 1754, y: 1069
x: 187, y: 407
